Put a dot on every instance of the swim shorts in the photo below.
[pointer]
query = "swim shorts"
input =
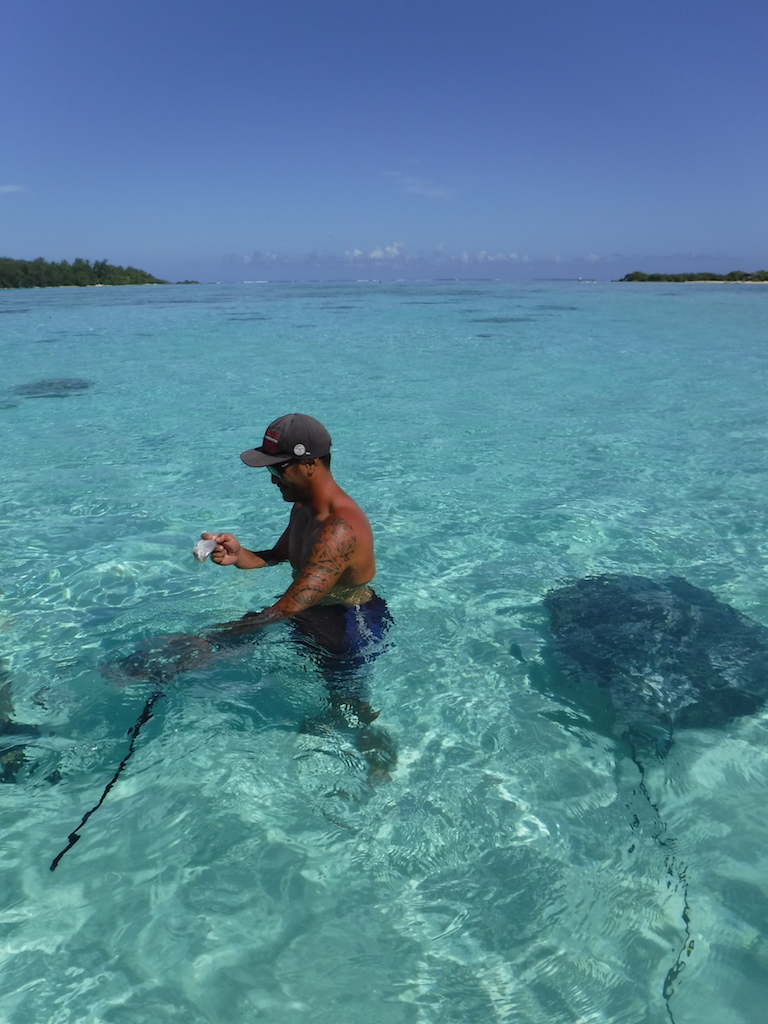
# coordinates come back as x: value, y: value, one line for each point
x: 342, y: 640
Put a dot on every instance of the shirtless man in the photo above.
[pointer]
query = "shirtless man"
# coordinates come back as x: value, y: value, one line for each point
x: 328, y: 540
x: 329, y: 544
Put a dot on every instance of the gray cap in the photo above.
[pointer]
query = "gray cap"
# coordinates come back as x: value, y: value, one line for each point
x: 294, y: 436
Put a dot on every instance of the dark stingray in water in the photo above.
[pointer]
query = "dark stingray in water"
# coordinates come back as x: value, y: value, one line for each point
x: 56, y: 387
x: 644, y: 658
x: 657, y: 655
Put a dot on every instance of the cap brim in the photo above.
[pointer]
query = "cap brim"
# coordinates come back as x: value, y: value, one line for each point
x: 256, y: 458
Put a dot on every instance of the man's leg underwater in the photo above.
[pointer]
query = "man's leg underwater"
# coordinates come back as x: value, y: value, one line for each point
x: 343, y: 642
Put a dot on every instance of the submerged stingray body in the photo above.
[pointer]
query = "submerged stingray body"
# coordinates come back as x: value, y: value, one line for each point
x: 56, y: 387
x: 660, y: 654
x: 161, y: 658
x: 12, y: 756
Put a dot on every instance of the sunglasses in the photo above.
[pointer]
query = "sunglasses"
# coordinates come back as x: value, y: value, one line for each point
x: 277, y: 471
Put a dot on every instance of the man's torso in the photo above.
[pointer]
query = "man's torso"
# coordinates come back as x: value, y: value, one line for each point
x: 303, y: 532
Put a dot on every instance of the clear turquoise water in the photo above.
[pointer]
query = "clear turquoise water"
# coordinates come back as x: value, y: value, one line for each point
x: 502, y: 437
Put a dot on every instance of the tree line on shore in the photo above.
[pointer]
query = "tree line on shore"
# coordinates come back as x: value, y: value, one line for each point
x: 735, y: 275
x: 80, y: 273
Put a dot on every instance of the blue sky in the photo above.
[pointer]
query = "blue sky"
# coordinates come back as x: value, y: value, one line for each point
x: 274, y: 139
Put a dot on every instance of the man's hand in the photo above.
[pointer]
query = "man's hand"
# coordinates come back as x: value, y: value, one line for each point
x: 249, y: 623
x: 228, y: 548
x: 229, y: 551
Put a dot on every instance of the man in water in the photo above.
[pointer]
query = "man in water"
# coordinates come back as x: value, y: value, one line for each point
x: 328, y: 540
x: 329, y: 543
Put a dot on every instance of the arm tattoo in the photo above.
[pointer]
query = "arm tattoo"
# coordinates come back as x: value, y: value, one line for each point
x: 331, y: 555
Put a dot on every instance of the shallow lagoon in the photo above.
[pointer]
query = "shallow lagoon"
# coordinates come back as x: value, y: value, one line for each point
x: 503, y: 438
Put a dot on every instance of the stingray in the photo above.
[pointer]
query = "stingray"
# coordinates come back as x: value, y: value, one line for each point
x: 160, y: 659
x: 646, y: 658
x: 654, y: 657
x: 55, y: 387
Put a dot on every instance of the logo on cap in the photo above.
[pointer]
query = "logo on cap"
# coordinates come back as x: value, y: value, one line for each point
x: 270, y: 441
x: 299, y: 449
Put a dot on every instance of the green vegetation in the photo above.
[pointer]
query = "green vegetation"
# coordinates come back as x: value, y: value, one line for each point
x: 40, y: 274
x: 735, y: 276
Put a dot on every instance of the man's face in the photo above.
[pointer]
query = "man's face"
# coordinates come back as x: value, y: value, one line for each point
x: 290, y: 478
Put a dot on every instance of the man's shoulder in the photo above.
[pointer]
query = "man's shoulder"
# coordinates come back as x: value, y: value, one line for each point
x: 349, y: 521
x: 348, y: 511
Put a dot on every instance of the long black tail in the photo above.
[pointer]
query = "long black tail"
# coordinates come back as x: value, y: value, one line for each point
x: 677, y: 879
x: 133, y: 732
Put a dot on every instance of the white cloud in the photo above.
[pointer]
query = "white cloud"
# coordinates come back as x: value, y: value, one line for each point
x: 492, y: 257
x: 395, y: 255
x: 389, y: 252
x: 415, y: 186
x: 246, y: 259
x: 378, y: 254
x: 11, y: 188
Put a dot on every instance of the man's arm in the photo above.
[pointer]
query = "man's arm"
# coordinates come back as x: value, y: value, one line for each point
x: 229, y: 551
x: 330, y: 556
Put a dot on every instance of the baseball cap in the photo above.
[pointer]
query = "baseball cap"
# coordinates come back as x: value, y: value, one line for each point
x: 294, y: 436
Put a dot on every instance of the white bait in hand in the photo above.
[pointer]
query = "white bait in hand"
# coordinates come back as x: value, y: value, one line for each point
x: 203, y: 548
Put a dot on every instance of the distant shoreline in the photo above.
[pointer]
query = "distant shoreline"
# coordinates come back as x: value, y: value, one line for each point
x: 17, y: 274
x: 735, y: 277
